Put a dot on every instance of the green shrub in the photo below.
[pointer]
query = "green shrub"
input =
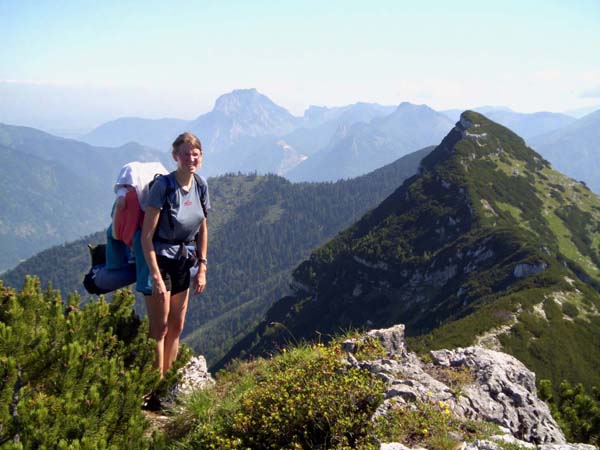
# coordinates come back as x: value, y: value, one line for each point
x: 570, y: 309
x: 305, y: 397
x: 70, y: 377
x: 456, y: 378
x: 576, y: 411
x: 367, y: 348
x: 430, y: 425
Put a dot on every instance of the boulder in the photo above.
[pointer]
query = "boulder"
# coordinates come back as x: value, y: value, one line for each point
x: 504, y: 392
x: 194, y: 376
x: 524, y: 270
x: 392, y: 340
x: 500, y: 389
x: 393, y: 446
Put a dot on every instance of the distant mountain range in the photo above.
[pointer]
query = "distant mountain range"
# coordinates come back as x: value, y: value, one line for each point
x: 575, y: 149
x: 244, y: 122
x: 526, y: 125
x: 55, y: 189
x: 155, y: 133
x: 486, y: 244
x: 260, y: 228
x: 365, y: 146
x: 578, y: 113
x: 246, y: 131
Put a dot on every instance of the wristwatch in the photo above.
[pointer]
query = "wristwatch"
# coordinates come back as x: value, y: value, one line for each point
x: 203, y: 261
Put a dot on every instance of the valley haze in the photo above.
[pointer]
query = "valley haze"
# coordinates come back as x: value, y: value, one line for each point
x: 68, y: 67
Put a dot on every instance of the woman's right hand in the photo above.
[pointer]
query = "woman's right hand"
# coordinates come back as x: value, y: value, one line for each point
x: 159, y: 290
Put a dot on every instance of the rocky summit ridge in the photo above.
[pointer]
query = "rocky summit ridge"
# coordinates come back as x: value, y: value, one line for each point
x: 486, y: 244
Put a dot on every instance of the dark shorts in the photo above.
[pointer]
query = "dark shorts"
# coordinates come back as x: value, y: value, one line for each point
x: 175, y: 273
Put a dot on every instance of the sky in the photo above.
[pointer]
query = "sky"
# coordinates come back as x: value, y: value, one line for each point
x: 68, y: 66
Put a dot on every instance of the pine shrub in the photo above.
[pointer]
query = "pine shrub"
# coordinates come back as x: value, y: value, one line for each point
x: 72, y: 376
x: 576, y: 411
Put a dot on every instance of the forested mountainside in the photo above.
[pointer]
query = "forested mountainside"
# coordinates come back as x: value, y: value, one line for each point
x: 487, y: 244
x: 54, y: 189
x: 40, y: 212
x: 260, y: 227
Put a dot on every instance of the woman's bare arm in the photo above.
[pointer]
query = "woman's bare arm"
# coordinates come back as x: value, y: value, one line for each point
x: 148, y: 229
x: 201, y: 249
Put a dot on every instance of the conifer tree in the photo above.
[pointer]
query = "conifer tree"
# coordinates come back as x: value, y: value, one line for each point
x: 577, y: 412
x: 71, y: 376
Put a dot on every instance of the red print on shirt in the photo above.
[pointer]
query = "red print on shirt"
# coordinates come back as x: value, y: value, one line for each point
x: 187, y: 203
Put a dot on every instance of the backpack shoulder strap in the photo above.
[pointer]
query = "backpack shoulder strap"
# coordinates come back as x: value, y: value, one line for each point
x: 169, y: 197
x: 171, y: 188
x: 201, y: 186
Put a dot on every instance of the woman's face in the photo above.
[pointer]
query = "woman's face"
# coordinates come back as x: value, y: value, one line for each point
x: 188, y: 158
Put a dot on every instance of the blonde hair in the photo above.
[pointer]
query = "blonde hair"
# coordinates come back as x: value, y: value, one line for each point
x: 186, y: 138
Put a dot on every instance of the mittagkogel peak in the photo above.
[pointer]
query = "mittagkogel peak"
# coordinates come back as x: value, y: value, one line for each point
x: 487, y: 244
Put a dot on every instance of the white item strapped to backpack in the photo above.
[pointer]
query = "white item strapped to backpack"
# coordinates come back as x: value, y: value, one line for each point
x: 139, y: 175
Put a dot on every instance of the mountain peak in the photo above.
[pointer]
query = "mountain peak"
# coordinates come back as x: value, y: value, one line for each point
x: 412, y: 106
x: 469, y: 120
x: 412, y: 111
x: 239, y: 114
x: 490, y: 140
x: 240, y: 100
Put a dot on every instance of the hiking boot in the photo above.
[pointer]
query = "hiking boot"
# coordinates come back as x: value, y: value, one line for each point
x: 152, y: 403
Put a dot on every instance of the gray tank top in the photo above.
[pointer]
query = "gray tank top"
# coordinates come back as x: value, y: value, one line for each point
x: 186, y: 212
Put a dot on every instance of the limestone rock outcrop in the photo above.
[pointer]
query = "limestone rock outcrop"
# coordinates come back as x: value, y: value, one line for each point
x: 503, y: 392
x: 494, y: 387
x: 194, y: 376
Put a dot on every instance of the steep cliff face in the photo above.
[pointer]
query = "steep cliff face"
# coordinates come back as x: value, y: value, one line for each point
x: 486, y: 244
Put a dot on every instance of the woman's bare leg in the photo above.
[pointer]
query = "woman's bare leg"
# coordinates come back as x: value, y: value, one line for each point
x: 158, y: 313
x: 175, y: 322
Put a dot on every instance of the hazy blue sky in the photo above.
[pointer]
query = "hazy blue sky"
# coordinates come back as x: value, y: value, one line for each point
x: 75, y: 64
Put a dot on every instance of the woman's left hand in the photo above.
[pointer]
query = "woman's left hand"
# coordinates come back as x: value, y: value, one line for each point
x: 200, y: 281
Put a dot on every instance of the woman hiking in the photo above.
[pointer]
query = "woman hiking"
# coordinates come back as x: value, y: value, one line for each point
x: 175, y: 217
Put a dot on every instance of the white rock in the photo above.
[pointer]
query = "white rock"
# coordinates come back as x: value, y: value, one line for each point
x: 566, y: 447
x: 510, y: 439
x: 504, y: 392
x: 195, y: 376
x: 524, y: 270
x: 378, y: 265
x: 393, y: 446
x: 482, y: 444
x: 392, y: 339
